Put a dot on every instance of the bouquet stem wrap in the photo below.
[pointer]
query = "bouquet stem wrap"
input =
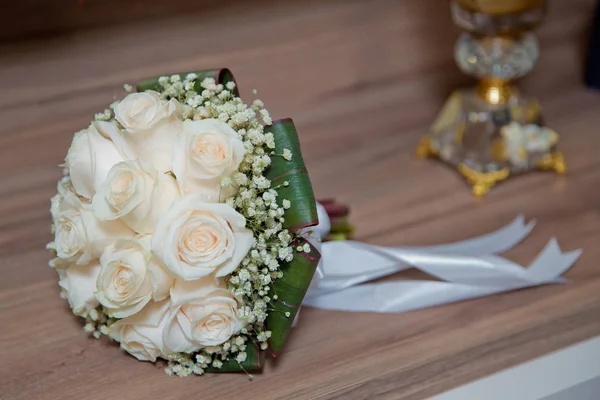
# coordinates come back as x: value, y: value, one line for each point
x: 464, y: 270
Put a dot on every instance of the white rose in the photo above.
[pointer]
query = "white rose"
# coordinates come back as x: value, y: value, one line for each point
x: 89, y: 159
x: 206, y: 151
x: 141, y: 111
x: 150, y: 124
x: 63, y: 187
x: 141, y: 334
x: 204, y: 314
x: 129, y: 278
x: 78, y: 236
x: 136, y: 193
x: 78, y: 283
x: 194, y: 239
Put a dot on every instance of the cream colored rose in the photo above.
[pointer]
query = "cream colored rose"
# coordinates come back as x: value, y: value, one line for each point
x: 137, y: 194
x: 78, y: 283
x: 207, y: 151
x: 194, y: 239
x: 130, y: 277
x: 78, y: 236
x: 141, y: 334
x: 89, y: 159
x: 63, y: 187
x: 204, y: 314
x: 150, y: 126
x: 141, y: 111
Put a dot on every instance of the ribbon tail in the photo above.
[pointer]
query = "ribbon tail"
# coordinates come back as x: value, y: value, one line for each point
x: 551, y: 263
x: 492, y: 243
x: 466, y: 277
x: 357, y: 265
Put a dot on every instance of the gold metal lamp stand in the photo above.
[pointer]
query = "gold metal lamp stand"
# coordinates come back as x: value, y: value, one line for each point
x: 491, y: 132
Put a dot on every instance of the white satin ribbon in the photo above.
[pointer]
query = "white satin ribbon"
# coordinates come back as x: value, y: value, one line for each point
x: 464, y: 270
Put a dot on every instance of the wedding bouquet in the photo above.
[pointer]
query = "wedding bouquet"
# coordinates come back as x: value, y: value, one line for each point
x: 182, y: 232
x: 180, y: 224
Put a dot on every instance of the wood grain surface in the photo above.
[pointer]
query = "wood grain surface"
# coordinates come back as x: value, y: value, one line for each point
x: 363, y: 80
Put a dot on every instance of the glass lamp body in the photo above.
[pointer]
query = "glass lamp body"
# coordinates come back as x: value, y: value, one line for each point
x: 492, y: 131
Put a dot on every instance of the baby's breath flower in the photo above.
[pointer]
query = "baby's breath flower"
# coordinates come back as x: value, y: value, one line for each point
x: 287, y: 154
x: 286, y: 204
x: 284, y: 253
x: 201, y: 358
x: 226, y: 181
x: 241, y: 357
x: 261, y: 182
x: 106, y: 115
x: 197, y: 370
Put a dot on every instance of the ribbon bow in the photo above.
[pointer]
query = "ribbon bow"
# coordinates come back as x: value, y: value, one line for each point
x: 466, y: 270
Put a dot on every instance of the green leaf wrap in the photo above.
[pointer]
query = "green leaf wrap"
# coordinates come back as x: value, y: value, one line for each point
x: 290, y: 290
x: 303, y: 212
x: 297, y: 274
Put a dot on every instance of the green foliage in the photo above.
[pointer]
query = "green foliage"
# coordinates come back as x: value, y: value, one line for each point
x: 297, y: 274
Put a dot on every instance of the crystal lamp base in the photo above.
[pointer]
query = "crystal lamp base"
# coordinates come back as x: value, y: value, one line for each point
x: 488, y: 142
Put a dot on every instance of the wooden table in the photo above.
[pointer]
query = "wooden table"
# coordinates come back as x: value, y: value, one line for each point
x: 362, y: 80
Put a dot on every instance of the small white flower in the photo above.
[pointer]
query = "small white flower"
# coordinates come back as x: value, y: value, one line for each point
x: 284, y: 253
x: 226, y: 181
x: 261, y: 182
x: 241, y: 357
x: 287, y: 154
x: 244, y: 275
x: 268, y: 196
x: 286, y: 204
